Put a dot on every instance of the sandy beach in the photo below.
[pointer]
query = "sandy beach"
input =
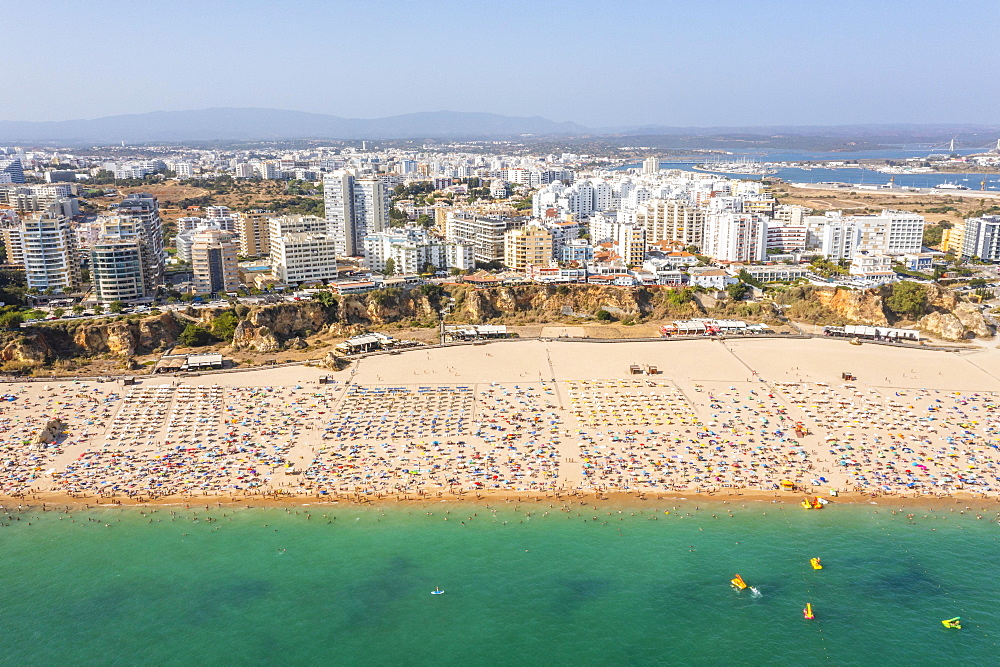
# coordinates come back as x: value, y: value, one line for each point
x: 524, y: 419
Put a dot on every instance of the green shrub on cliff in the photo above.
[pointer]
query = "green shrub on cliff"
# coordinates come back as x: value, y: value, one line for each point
x: 224, y: 325
x: 10, y: 318
x: 907, y: 299
x: 194, y: 336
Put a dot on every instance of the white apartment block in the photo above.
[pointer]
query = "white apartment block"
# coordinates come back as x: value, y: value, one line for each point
x: 982, y: 238
x: 905, y: 232
x: 49, y: 253
x: 872, y: 266
x: 188, y: 223
x: 182, y: 169
x: 484, y: 233
x: 890, y: 233
x: 355, y: 208
x: 372, y: 201
x: 735, y: 237
x: 786, y: 237
x: 296, y: 224
x: 672, y: 220
x: 298, y: 258
x: 602, y: 227
x: 116, y: 269
x: 220, y: 217
x: 267, y: 170
x: 37, y: 198
x: 413, y: 248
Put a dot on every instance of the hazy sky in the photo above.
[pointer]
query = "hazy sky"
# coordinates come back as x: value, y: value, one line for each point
x: 600, y: 63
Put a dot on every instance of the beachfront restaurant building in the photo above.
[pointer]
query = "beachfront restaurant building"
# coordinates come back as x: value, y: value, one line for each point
x: 709, y: 327
x: 365, y: 343
x: 202, y: 362
x: 872, y: 333
x: 476, y: 332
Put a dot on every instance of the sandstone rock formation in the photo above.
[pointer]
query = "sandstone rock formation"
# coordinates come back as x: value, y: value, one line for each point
x: 965, y: 321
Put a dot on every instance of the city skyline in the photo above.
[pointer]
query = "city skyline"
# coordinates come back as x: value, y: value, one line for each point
x: 643, y: 63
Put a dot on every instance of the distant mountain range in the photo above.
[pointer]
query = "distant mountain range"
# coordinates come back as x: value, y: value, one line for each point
x: 251, y: 124
x: 238, y: 124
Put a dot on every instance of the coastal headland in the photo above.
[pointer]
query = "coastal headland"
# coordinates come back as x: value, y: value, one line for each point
x: 734, y: 418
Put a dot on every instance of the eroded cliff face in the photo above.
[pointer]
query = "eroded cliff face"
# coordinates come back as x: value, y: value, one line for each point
x: 270, y: 328
x: 855, y: 306
x: 123, y: 338
x: 266, y: 327
x: 965, y: 321
x: 282, y: 326
x: 543, y: 303
x: 946, y: 317
x: 126, y: 338
x: 30, y: 346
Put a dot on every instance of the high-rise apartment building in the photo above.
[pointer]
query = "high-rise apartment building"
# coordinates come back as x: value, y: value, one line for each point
x: 213, y: 262
x: 49, y: 253
x: 527, y: 245
x: 672, y: 220
x: 981, y: 238
x: 10, y: 237
x: 735, y: 237
x: 252, y: 228
x: 143, y: 211
x: 355, y: 208
x: 301, y: 250
x: 891, y: 233
x: 338, y: 206
x: 116, y: 269
x: 12, y: 167
x: 651, y: 165
x: 485, y: 233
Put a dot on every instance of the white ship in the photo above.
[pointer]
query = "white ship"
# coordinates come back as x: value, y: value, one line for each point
x: 950, y: 186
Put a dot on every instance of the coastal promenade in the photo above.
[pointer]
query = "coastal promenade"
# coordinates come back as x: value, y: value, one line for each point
x: 730, y: 417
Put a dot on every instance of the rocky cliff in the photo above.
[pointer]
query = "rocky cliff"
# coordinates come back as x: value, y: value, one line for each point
x: 88, y: 338
x: 944, y: 315
x: 964, y: 321
x: 264, y: 329
x: 854, y: 306
x: 127, y: 338
x: 287, y: 325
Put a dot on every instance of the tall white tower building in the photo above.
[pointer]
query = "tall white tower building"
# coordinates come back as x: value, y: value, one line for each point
x: 355, y: 208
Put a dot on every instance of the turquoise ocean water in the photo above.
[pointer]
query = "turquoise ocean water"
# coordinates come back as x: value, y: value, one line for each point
x: 640, y: 587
